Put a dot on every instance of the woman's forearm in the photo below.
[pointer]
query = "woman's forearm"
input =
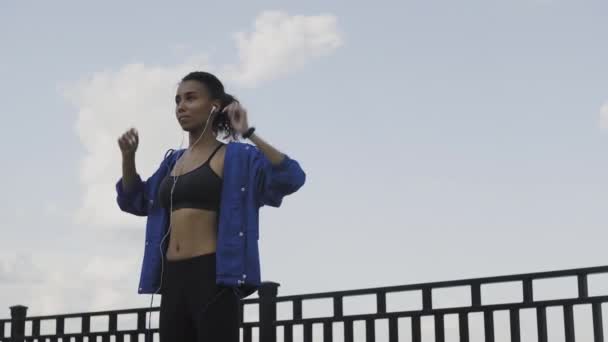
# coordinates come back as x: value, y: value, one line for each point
x: 274, y: 156
x: 129, y: 173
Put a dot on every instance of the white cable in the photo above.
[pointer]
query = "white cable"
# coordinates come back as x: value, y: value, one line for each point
x: 171, y: 214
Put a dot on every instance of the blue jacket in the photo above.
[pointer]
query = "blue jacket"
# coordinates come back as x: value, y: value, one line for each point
x: 249, y: 182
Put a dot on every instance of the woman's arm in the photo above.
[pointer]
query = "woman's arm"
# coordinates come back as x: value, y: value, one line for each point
x: 129, y: 172
x: 277, y: 175
x: 240, y: 123
x: 274, y: 156
x: 130, y: 188
x: 128, y: 143
x: 132, y: 200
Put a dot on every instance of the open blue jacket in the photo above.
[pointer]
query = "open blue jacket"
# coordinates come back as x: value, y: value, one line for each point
x: 249, y: 182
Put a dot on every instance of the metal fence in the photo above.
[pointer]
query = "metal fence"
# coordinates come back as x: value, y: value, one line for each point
x: 340, y: 325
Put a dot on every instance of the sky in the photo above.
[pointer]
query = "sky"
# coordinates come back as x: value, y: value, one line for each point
x: 441, y: 139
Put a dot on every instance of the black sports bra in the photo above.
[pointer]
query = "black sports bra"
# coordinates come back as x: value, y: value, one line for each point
x: 200, y: 188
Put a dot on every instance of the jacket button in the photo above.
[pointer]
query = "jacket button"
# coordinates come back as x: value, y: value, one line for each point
x: 243, y: 189
x: 244, y: 276
x: 240, y: 233
x: 147, y: 243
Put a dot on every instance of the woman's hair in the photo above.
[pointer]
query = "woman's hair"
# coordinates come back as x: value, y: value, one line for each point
x: 221, y: 122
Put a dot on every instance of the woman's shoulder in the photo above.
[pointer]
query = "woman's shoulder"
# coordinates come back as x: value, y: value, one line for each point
x: 234, y: 149
x: 173, y: 152
x: 171, y: 155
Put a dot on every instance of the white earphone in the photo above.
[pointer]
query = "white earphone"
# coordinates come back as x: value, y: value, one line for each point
x: 213, y: 109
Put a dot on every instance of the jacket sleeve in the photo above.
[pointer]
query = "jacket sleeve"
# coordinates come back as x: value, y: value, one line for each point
x: 276, y: 181
x: 133, y: 201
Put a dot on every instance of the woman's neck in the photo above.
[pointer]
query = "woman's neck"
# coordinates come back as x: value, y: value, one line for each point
x: 208, y: 140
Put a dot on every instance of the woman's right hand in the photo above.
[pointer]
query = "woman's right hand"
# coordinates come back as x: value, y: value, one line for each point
x: 128, y: 143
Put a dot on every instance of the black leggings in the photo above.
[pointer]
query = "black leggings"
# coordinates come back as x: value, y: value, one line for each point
x: 193, y: 308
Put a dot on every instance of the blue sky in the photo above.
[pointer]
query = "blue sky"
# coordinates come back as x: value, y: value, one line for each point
x: 441, y: 139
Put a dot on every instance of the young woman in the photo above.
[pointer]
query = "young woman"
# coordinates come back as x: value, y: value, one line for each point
x: 202, y: 203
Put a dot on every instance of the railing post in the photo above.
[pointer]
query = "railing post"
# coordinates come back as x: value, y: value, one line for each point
x: 18, y: 313
x: 268, y: 311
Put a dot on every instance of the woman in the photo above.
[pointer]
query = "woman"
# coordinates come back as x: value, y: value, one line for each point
x: 202, y: 203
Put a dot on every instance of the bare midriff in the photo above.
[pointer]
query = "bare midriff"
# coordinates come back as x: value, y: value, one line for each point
x: 193, y: 233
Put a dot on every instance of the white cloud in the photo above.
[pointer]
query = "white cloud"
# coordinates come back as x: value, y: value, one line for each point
x: 604, y: 116
x: 51, y: 284
x: 111, y: 101
x: 59, y: 283
x: 108, y: 102
x: 281, y: 43
x: 18, y: 268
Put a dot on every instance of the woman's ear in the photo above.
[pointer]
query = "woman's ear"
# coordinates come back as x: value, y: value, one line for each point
x: 215, y: 106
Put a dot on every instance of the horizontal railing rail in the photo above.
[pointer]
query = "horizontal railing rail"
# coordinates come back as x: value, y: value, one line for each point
x: 269, y: 327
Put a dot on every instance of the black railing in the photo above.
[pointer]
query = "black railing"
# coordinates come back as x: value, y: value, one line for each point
x: 270, y: 328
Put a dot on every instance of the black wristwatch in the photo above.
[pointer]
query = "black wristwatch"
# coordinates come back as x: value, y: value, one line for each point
x: 248, y: 133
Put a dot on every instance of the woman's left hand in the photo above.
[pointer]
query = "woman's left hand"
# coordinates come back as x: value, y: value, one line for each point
x: 238, y: 117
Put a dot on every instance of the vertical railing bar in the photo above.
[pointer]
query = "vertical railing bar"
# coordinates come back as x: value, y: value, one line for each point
x: 488, y: 320
x: 463, y: 326
x: 598, y: 326
x: 439, y: 328
x: 514, y: 323
x: 569, y: 323
x: 541, y: 323
x: 416, y: 329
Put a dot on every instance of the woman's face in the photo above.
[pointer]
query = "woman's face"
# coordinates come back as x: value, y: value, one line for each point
x: 193, y: 105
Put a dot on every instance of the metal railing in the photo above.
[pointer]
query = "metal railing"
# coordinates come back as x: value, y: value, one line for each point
x: 271, y: 329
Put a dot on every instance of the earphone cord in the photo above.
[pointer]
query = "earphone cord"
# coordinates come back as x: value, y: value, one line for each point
x: 171, y: 215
